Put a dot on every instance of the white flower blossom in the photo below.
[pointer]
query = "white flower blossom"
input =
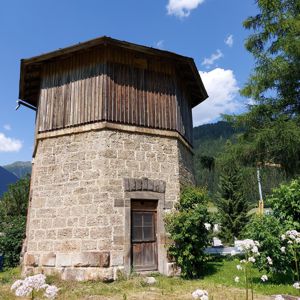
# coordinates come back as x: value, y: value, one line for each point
x: 283, y: 237
x: 270, y: 261
x: 23, y: 288
x: 282, y: 249
x: 51, y: 292
x: 207, y: 226
x: 264, y: 278
x: 255, y: 250
x: 296, y: 285
x: 293, y: 236
x: 23, y: 291
x: 237, y: 279
x: 233, y: 253
x: 249, y: 246
x: 16, y: 284
x: 200, y: 294
x: 246, y: 244
x: 36, y: 281
x: 239, y: 267
x: 251, y: 259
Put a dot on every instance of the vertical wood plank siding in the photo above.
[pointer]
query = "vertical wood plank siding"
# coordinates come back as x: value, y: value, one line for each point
x: 116, y: 86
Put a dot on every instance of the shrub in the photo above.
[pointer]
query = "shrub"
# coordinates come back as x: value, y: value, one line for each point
x: 267, y: 230
x: 13, y: 211
x: 285, y: 203
x: 188, y: 233
x: 11, y: 240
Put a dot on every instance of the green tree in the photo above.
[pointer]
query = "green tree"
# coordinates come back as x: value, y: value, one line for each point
x: 14, y: 202
x: 285, y: 204
x: 272, y: 124
x: 13, y: 234
x: 188, y: 233
x: 13, y: 211
x: 231, y: 203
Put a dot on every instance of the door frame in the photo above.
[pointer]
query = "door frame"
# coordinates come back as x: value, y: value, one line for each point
x: 161, y: 234
x: 152, y: 210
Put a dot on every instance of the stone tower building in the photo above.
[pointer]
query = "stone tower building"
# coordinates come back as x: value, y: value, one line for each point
x: 113, y: 146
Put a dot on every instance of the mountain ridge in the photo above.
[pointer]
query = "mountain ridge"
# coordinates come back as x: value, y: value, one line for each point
x: 19, y: 168
x: 6, y: 178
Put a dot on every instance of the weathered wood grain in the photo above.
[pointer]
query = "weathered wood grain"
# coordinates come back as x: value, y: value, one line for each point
x: 115, y: 86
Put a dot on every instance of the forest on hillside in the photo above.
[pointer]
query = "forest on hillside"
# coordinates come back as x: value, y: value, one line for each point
x: 210, y: 143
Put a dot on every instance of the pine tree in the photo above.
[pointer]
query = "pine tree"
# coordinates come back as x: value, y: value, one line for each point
x: 232, y: 205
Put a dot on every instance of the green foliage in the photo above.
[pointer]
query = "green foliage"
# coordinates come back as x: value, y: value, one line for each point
x: 217, y: 142
x: 275, y: 46
x: 11, y: 241
x: 273, y: 142
x: 13, y: 211
x: 207, y: 162
x: 209, y: 142
x: 14, y: 202
x: 231, y: 203
x: 188, y: 233
x: 272, y: 123
x: 285, y: 203
x: 220, y: 130
x: 267, y: 230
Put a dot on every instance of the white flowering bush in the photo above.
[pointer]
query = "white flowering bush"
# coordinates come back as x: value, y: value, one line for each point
x: 275, y: 256
x: 200, y: 294
x: 251, y: 250
x: 296, y: 285
x: 279, y: 297
x: 288, y: 246
x: 33, y: 285
x: 292, y: 245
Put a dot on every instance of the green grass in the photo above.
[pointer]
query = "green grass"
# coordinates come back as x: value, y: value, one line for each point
x: 218, y: 280
x: 224, y: 272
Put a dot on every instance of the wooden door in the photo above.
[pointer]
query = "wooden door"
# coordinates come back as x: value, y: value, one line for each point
x: 143, y: 235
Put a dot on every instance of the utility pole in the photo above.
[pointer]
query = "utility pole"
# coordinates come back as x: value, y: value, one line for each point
x: 261, y: 201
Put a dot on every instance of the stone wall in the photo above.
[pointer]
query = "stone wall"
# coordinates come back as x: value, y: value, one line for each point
x: 76, y: 222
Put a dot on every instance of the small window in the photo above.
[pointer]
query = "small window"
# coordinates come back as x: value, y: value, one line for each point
x: 143, y: 226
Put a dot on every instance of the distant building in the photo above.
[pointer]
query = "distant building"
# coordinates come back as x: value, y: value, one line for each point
x: 113, y: 146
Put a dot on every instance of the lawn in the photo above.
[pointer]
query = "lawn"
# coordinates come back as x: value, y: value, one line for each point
x: 219, y: 281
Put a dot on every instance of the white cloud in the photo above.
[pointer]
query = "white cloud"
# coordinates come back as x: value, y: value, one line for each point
x: 7, y: 127
x: 210, y: 61
x: 182, y: 8
x: 160, y: 44
x: 222, y: 88
x: 229, y: 40
x: 9, y: 144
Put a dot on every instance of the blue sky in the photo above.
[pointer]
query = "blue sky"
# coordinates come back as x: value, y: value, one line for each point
x: 210, y: 31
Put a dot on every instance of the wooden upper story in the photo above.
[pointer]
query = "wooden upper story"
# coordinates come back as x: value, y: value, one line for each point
x: 114, y: 81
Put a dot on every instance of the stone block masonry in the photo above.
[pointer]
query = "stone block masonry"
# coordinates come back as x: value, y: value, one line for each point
x: 77, y: 221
